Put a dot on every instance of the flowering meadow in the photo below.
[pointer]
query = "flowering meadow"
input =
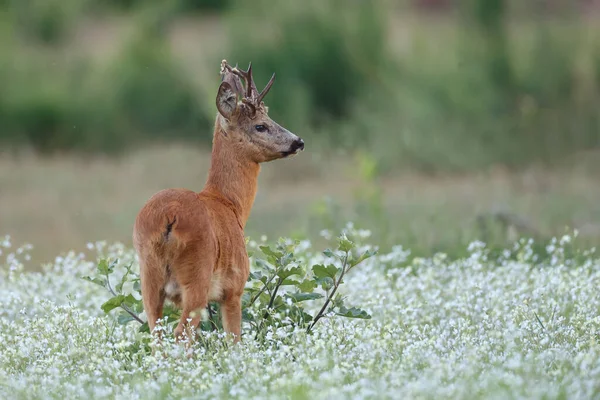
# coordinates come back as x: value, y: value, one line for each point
x: 523, y: 322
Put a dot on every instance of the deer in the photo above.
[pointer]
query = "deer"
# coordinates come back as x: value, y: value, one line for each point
x: 191, y: 245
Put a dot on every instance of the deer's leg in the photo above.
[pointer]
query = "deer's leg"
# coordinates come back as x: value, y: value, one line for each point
x: 194, y: 301
x: 152, y: 280
x: 194, y: 271
x: 231, y: 312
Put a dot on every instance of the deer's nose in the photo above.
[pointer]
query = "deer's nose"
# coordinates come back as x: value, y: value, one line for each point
x: 298, y: 144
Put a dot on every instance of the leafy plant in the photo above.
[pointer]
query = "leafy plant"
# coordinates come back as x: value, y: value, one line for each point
x: 45, y: 21
x: 282, y: 291
x: 327, y: 52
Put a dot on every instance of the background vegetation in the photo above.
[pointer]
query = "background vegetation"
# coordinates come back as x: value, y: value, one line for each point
x: 501, y: 92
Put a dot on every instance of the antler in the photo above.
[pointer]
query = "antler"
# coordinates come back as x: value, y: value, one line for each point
x: 266, y: 89
x: 251, y: 96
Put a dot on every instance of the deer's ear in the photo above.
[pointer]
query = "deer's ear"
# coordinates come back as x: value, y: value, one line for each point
x: 226, y: 100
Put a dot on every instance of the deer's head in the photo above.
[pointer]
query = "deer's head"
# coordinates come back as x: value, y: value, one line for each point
x: 244, y: 118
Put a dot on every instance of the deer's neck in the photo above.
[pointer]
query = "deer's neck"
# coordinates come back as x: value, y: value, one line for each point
x: 233, y: 177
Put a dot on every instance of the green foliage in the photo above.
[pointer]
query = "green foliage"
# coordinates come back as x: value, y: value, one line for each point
x: 325, y: 53
x: 152, y: 94
x: 49, y: 107
x: 142, y: 95
x: 181, y: 6
x: 499, y: 90
x: 45, y: 21
x: 275, y: 295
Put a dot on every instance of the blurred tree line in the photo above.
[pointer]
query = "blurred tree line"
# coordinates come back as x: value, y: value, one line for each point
x: 499, y: 90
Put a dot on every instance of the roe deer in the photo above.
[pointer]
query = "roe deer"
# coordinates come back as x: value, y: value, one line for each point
x: 191, y: 246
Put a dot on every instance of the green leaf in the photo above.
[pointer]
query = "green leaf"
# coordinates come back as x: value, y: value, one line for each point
x: 144, y: 328
x: 290, y: 282
x: 113, y: 303
x: 124, y: 318
x: 298, y: 297
x: 96, y: 280
x: 307, y: 286
x: 103, y: 267
x: 129, y: 300
x: 265, y: 265
x: 285, y: 272
x: 326, y: 283
x: 119, y: 286
x: 137, y: 286
x: 255, y: 276
x: 298, y: 315
x: 366, y: 255
x: 344, y: 244
x: 322, y: 271
x: 270, y: 253
x: 353, y: 312
x: 286, y: 259
x: 329, y: 253
x: 246, y: 316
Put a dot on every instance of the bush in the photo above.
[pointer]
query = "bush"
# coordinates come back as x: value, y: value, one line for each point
x: 275, y: 293
x: 325, y: 53
x: 46, y: 21
x: 153, y: 96
x: 52, y: 108
x: 179, y: 5
x: 72, y: 106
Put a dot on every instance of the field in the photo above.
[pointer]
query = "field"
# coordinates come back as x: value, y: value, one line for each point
x: 519, y: 323
x: 61, y: 203
x: 460, y: 138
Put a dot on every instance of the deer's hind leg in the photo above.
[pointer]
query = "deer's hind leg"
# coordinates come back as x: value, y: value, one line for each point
x: 231, y: 312
x: 194, y: 272
x: 152, y: 280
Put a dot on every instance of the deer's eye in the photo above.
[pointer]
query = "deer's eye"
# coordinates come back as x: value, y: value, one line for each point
x: 260, y: 128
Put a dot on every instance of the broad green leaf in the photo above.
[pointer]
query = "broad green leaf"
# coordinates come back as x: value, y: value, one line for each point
x: 137, y: 286
x: 285, y: 272
x: 290, y: 282
x: 255, y: 276
x: 103, y: 267
x: 298, y: 297
x: 113, y: 303
x: 307, y: 286
x: 322, y: 271
x: 269, y: 252
x: 96, y: 280
x: 129, y: 300
x: 133, y: 303
x: 353, y: 312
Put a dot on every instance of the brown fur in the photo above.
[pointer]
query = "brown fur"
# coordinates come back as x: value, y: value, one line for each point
x: 191, y: 245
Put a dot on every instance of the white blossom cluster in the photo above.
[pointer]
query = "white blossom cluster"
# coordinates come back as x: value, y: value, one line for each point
x: 507, y: 326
